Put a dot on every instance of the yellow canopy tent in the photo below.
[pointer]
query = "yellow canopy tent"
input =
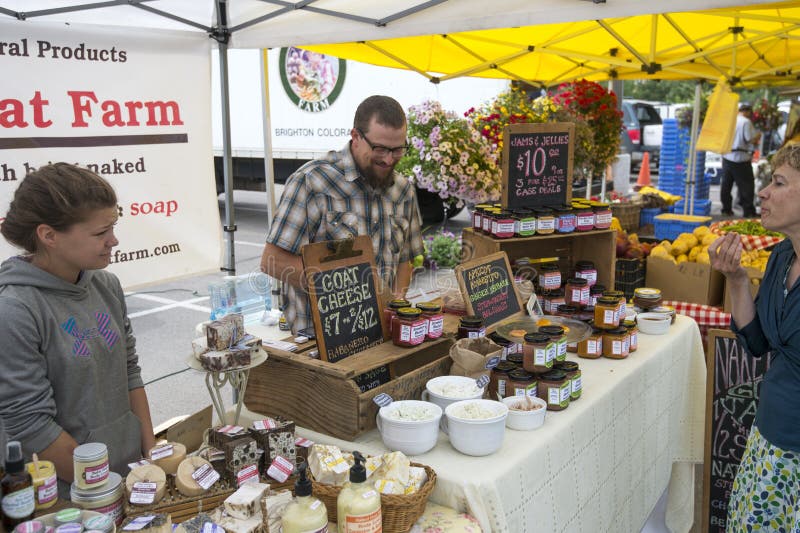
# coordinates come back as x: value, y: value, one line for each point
x: 755, y: 44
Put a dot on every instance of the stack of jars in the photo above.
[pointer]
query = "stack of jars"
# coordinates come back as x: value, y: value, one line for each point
x: 574, y: 297
x: 618, y: 335
x: 579, y: 215
x: 411, y: 326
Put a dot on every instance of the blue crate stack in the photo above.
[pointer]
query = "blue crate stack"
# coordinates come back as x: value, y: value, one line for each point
x: 672, y: 167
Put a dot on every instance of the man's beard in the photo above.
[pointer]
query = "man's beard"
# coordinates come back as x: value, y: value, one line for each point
x: 375, y: 181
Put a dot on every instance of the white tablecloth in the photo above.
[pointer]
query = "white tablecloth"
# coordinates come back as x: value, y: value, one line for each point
x: 599, y: 465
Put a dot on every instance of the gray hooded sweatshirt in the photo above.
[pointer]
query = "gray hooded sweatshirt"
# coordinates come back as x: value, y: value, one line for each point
x: 67, y: 361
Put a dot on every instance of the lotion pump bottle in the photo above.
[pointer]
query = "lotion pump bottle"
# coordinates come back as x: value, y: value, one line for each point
x: 359, y: 505
x: 306, y: 514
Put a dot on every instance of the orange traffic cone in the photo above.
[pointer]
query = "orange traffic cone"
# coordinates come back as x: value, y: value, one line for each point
x: 644, y: 171
x: 756, y: 155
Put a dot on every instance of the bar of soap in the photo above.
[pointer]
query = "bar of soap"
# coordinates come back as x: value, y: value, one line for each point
x: 245, y: 502
x: 272, y: 507
x: 219, y: 360
x: 395, y: 467
x: 235, y: 525
x: 328, y: 465
x: 184, y: 482
x: 160, y: 523
x: 147, y: 474
x: 198, y: 524
x: 225, y: 332
x: 240, y: 453
x: 168, y: 459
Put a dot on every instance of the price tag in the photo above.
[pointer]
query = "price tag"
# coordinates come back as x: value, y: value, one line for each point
x: 382, y: 399
x: 161, y: 452
x: 482, y: 381
x: 140, y: 462
x: 492, y: 362
x: 138, y: 523
x: 267, y: 423
x: 211, y: 527
x: 303, y: 442
x: 280, y: 469
x: 47, y: 491
x: 205, y: 476
x: 143, y: 493
x: 248, y: 473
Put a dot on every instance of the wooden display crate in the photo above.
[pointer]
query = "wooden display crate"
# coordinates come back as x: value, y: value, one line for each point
x: 324, y: 397
x: 598, y: 246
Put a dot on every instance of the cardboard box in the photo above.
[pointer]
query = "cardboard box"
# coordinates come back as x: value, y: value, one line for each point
x: 186, y: 429
x: 755, y: 276
x: 687, y: 282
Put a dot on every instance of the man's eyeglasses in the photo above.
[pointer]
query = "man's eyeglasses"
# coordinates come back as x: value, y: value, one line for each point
x: 383, y: 151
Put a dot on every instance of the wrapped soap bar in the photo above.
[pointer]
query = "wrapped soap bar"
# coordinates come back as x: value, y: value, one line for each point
x: 216, y: 457
x: 152, y: 523
x: 395, y: 467
x: 417, y: 477
x: 387, y: 486
x: 235, y: 525
x: 202, y: 523
x: 239, y: 454
x: 225, y: 332
x: 273, y: 505
x: 219, y: 360
x: 328, y: 465
x: 246, y: 501
x: 276, y: 438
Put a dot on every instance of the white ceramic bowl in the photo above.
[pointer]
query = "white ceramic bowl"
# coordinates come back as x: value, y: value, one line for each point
x: 476, y: 436
x: 525, y: 420
x: 412, y: 437
x: 653, y: 323
x: 433, y: 390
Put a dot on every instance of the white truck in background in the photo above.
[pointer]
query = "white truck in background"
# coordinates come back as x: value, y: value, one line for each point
x: 312, y: 99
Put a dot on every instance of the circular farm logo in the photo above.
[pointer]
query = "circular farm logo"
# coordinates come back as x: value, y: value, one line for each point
x: 313, y: 81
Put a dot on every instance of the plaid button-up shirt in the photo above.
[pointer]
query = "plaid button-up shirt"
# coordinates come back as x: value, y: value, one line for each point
x: 326, y: 199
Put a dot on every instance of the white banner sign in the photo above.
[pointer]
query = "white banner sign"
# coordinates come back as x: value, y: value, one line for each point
x: 135, y: 109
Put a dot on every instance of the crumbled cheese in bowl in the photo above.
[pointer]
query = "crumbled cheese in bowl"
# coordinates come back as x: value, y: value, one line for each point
x: 474, y: 411
x: 455, y: 390
x: 410, y: 412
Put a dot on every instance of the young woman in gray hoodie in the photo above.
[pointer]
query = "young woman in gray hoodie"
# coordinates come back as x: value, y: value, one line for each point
x: 70, y: 372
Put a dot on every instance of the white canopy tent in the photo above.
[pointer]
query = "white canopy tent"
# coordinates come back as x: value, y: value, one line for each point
x: 273, y: 23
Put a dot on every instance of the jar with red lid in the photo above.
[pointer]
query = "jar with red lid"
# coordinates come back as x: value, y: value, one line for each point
x: 545, y: 221
x: 503, y: 225
x: 391, y: 310
x: 538, y: 352
x: 602, y: 215
x: 592, y: 346
x: 616, y: 343
x: 409, y: 327
x: 549, y: 276
x: 498, y: 380
x: 555, y: 389
x: 558, y: 335
x: 586, y: 270
x: 566, y: 221
x: 584, y: 216
x: 595, y: 292
x: 552, y: 299
x: 576, y: 291
x: 521, y: 383
x: 432, y: 312
x: 470, y: 327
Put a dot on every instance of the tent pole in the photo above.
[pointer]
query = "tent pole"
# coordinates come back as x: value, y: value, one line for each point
x: 690, y: 189
x: 269, y: 168
x: 221, y: 35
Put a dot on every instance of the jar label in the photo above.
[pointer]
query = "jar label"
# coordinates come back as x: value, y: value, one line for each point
x: 365, y: 523
x: 551, y: 280
x: 205, y: 476
x: 562, y: 348
x: 494, y: 227
x: 546, y: 224
x: 514, y: 347
x: 505, y: 227
x: 599, y: 346
x: 586, y: 220
x: 603, y: 217
x: 565, y: 391
x: 610, y: 317
x: 96, y: 474
x: 435, y: 326
x: 280, y: 469
x: 501, y: 387
x: 540, y: 356
x: 19, y: 504
x: 623, y: 308
x: 576, y: 384
x: 531, y: 390
x: 575, y: 296
x: 634, y: 340
x: 617, y: 314
x: 552, y: 350
x: 592, y: 347
x: 589, y: 275
x: 487, y: 224
x: 476, y: 220
x: 527, y: 226
x: 516, y: 226
x: 477, y: 334
x: 572, y: 346
x: 617, y: 347
x: 554, y: 396
x: 143, y: 493
x: 626, y: 344
x: 47, y: 491
x: 584, y: 295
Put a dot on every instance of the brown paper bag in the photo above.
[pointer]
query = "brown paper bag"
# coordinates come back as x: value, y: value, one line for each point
x: 471, y: 355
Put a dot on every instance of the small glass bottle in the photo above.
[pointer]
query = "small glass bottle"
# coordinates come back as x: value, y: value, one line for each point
x: 602, y: 215
x: 595, y: 292
x: 526, y: 223
x: 503, y: 227
x: 17, y: 488
x: 619, y: 295
x: 552, y: 299
x: 471, y: 327
x: 616, y: 343
x: 606, y: 313
x: 566, y: 221
x: 585, y: 217
x: 633, y: 334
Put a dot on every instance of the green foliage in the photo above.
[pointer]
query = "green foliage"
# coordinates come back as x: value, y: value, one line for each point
x: 443, y: 250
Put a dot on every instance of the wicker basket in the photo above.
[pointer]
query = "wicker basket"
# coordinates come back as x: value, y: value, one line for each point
x: 399, y: 512
x: 627, y: 214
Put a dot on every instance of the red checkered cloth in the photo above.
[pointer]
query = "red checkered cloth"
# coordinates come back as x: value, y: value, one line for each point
x: 749, y: 242
x: 706, y: 316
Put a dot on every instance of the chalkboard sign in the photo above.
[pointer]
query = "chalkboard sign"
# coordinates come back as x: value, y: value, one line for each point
x: 342, y: 289
x: 537, y: 164
x: 488, y: 288
x: 732, y: 390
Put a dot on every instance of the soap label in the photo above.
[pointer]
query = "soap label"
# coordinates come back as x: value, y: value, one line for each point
x: 161, y: 452
x: 231, y: 430
x: 96, y: 474
x: 303, y: 442
x: 47, y: 491
x: 140, y: 462
x: 248, y: 473
x: 138, y: 523
x: 280, y: 469
x: 143, y: 493
x: 337, y: 464
x: 267, y: 423
x: 19, y: 504
x: 205, y: 476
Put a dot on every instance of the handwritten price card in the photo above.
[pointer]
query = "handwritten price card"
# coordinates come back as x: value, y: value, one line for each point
x: 537, y: 164
x: 342, y: 289
x: 488, y: 288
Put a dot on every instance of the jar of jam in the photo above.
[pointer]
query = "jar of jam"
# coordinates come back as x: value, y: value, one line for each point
x: 477, y: 217
x: 646, y: 298
x: 622, y: 304
x: 584, y: 216
x: 567, y: 311
x: 616, y: 343
x: 486, y: 220
x: 521, y: 383
x: 576, y: 291
x: 432, y: 312
x: 555, y: 389
x: 515, y: 358
x: 498, y: 380
x: 573, y: 372
x: 592, y: 346
x: 538, y: 353
x: 549, y: 276
x: 559, y: 338
x: 503, y: 225
x: 545, y: 221
x: 470, y: 327
x: 526, y: 222
x: 409, y: 327
x: 552, y: 299
x: 587, y: 271
x: 606, y: 313
x: 633, y: 334
x: 602, y: 215
x: 596, y: 292
x: 566, y: 221
x: 391, y: 310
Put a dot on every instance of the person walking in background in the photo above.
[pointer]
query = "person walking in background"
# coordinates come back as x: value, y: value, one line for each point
x: 737, y: 164
x: 766, y: 491
x: 70, y: 371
